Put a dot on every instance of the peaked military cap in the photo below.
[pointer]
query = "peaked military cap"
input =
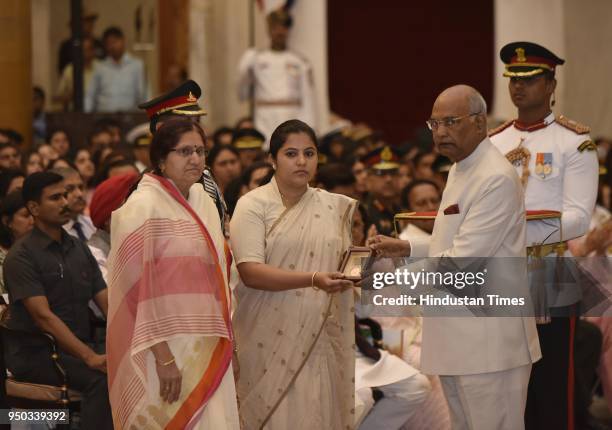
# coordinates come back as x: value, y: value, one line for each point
x: 384, y: 158
x: 526, y: 59
x: 280, y: 16
x: 183, y: 100
x: 247, y: 138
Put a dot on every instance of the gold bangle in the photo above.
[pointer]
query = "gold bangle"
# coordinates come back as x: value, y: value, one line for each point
x: 312, y: 282
x: 167, y: 363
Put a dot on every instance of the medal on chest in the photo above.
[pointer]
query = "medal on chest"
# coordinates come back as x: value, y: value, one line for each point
x: 291, y: 68
x: 543, y: 165
x: 519, y: 157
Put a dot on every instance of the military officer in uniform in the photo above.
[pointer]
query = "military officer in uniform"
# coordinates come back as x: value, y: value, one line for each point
x: 183, y: 102
x: 557, y: 164
x: 382, y: 165
x: 279, y: 80
x: 249, y: 143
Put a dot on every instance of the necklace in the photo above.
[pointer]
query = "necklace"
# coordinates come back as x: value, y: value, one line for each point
x: 286, y: 201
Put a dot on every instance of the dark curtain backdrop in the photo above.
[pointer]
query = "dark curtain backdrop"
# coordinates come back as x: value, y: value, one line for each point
x: 388, y: 59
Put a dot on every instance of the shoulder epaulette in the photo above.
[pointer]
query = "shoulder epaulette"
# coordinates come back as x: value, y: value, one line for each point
x: 576, y: 127
x: 587, y: 145
x: 501, y: 128
x: 301, y: 57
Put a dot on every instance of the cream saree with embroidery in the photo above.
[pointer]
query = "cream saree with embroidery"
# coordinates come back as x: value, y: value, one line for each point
x: 295, y: 347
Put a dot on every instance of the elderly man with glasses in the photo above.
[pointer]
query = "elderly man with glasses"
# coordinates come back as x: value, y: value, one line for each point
x: 484, y: 362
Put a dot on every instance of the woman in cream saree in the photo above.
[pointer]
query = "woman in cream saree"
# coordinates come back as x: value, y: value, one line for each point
x: 295, y: 344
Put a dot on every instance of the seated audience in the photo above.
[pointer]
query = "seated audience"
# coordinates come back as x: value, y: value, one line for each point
x: 335, y: 145
x: 382, y: 166
x: 10, y: 180
x: 421, y: 195
x: 224, y: 162
x: 87, y: 170
x: 109, y: 195
x: 222, y: 136
x: 78, y: 224
x: 441, y: 167
x: 61, y: 163
x: 50, y: 278
x: 388, y: 390
x: 245, y: 122
x: 15, y: 222
x: 140, y: 151
x: 10, y: 157
x: 256, y: 175
x: 422, y: 165
x: 47, y: 154
x: 249, y: 143
x: 100, y: 137
x: 115, y: 164
x: 32, y: 163
x: 403, y: 177
x: 336, y: 178
x: 361, y: 174
x: 113, y: 127
x: 60, y: 142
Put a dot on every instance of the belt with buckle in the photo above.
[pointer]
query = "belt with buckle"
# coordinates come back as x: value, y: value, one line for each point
x: 539, y: 251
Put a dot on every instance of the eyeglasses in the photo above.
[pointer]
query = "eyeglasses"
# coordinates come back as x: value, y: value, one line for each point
x: 450, y: 122
x: 187, y: 151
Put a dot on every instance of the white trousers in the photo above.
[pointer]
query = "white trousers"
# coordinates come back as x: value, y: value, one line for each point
x: 488, y: 401
x: 400, y: 401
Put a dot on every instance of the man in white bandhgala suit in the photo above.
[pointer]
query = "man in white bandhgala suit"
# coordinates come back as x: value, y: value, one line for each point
x: 484, y: 363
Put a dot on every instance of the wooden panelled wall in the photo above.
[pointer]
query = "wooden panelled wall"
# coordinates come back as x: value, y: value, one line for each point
x: 173, y: 36
x: 15, y: 68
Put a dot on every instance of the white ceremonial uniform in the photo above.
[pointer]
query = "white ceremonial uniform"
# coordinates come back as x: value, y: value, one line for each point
x: 563, y: 177
x: 403, y: 387
x: 283, y: 88
x: 412, y: 230
x: 569, y: 185
x: 483, y: 362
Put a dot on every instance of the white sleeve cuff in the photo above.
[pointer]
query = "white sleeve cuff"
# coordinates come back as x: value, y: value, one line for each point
x: 419, y: 246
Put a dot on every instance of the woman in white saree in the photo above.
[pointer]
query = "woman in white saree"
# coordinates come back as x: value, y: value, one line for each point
x: 294, y: 323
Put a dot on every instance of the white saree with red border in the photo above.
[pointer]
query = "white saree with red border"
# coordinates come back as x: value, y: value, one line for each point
x: 168, y: 278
